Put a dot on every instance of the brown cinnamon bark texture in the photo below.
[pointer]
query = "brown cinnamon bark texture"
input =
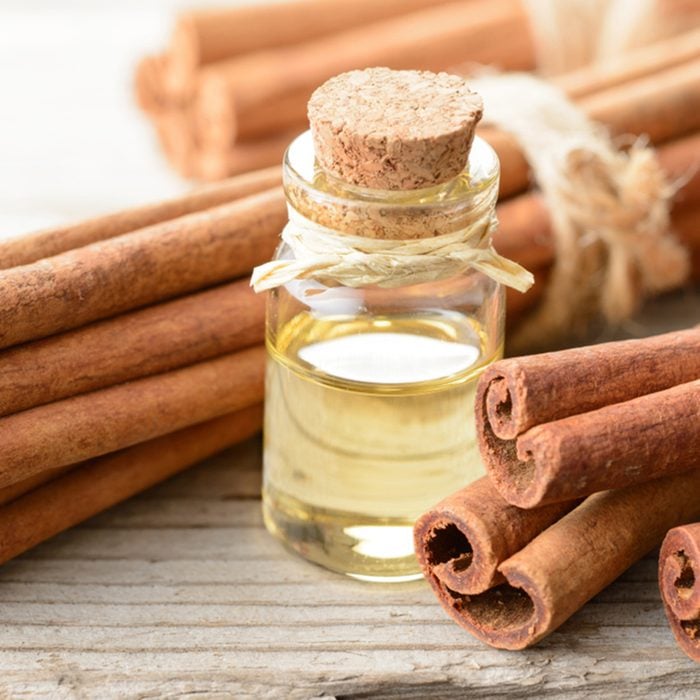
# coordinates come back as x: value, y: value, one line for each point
x: 462, y: 540
x: 557, y: 426
x: 241, y: 157
x: 139, y: 268
x: 561, y: 569
x: 92, y: 487
x: 234, y: 93
x: 632, y: 64
x: 47, y: 243
x: 153, y: 340
x: 679, y: 582
x: 202, y: 37
x: 90, y: 425
x: 522, y: 392
x: 662, y: 106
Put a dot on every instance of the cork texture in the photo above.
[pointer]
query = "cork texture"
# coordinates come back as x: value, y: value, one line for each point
x: 394, y: 130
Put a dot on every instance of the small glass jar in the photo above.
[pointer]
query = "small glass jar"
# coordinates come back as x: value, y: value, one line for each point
x: 370, y: 390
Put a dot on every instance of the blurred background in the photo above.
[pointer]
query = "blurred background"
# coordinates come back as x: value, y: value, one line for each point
x: 97, y: 112
x: 72, y: 141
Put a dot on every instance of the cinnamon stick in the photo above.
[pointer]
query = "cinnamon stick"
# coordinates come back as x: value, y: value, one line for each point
x: 614, y: 446
x: 662, y: 106
x: 631, y: 65
x: 241, y: 157
x: 522, y: 392
x: 149, y: 85
x: 679, y: 582
x: 202, y: 37
x: 150, y: 341
x: 568, y: 563
x: 49, y: 242
x: 462, y: 540
x: 545, y: 435
x: 92, y: 487
x: 524, y: 232
x: 89, y: 425
x: 139, y: 268
x: 232, y: 93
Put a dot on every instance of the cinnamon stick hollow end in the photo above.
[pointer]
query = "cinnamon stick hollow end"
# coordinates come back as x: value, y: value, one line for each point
x: 461, y: 541
x: 568, y: 563
x: 679, y: 582
x: 394, y: 130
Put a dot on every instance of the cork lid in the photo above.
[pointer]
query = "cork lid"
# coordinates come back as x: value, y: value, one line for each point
x: 394, y: 130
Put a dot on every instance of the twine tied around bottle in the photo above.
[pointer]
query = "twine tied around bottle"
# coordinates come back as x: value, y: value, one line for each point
x: 355, y: 261
x: 609, y: 209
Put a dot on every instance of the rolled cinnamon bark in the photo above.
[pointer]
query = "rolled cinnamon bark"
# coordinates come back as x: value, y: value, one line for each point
x: 679, y: 582
x: 611, y: 447
x: 149, y: 88
x: 150, y: 341
x: 662, y: 106
x: 233, y: 93
x: 19, y: 488
x: 90, y: 425
x: 139, y: 268
x: 242, y: 157
x: 521, y: 392
x: 49, y: 242
x: 573, y: 560
x: 631, y: 65
x: 92, y: 487
x: 462, y: 540
x: 202, y: 37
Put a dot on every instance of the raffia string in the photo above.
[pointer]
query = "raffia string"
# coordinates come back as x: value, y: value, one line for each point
x: 573, y: 33
x: 355, y: 261
x: 609, y: 209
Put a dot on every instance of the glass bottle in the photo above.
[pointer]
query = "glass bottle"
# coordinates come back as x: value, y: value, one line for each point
x: 370, y: 390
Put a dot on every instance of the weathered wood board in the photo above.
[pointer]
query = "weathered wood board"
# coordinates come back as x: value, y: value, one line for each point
x: 180, y: 592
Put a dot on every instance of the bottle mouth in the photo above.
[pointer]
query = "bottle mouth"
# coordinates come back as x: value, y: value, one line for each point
x: 374, y: 213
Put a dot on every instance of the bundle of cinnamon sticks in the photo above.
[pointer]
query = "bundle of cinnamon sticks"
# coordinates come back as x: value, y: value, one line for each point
x: 592, y: 455
x: 129, y: 350
x: 231, y: 88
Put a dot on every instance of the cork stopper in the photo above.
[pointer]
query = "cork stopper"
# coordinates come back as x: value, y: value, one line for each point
x: 394, y: 130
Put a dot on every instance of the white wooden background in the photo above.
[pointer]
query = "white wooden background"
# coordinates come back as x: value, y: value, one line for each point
x: 180, y: 592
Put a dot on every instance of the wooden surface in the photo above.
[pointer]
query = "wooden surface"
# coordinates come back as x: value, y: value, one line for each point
x: 180, y: 592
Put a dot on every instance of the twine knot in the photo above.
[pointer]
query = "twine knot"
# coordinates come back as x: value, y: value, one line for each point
x: 609, y: 209
x: 355, y: 261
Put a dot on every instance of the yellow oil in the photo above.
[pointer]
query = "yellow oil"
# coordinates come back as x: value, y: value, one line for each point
x: 368, y: 422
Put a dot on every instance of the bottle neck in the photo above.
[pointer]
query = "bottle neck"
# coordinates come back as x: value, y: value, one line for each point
x: 391, y: 214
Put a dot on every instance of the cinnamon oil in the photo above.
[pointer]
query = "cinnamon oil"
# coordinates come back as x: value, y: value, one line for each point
x: 369, y: 421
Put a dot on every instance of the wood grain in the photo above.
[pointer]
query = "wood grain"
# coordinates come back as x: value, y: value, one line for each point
x: 180, y: 591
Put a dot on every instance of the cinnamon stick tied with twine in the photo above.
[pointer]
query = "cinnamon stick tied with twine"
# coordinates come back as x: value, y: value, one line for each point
x: 546, y: 436
x: 619, y: 202
x: 94, y: 486
x: 554, y: 575
x: 679, y: 582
